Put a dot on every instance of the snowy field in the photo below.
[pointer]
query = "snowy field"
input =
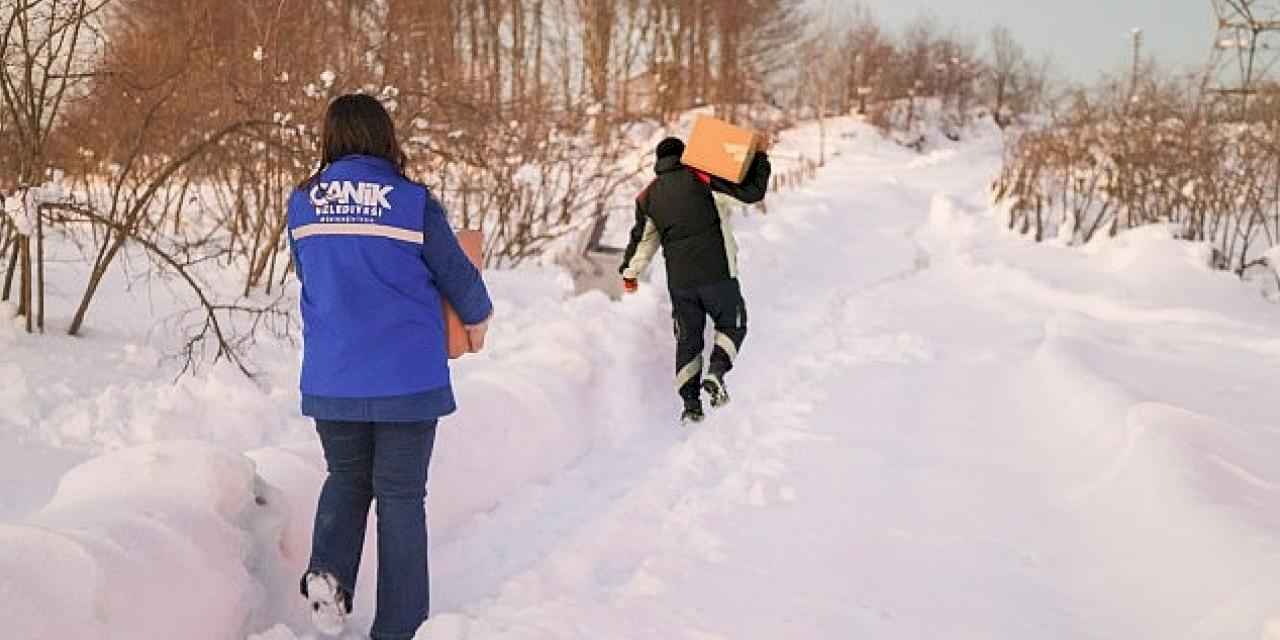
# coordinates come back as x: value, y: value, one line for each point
x: 940, y: 430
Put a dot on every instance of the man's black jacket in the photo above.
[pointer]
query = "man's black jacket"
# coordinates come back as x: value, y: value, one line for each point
x: 678, y: 210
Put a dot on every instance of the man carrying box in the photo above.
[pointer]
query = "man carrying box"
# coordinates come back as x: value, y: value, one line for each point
x: 677, y: 211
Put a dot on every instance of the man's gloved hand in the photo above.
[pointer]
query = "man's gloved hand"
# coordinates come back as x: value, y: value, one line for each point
x: 630, y: 285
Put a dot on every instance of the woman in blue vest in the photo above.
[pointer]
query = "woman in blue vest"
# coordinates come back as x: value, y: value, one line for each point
x: 374, y: 253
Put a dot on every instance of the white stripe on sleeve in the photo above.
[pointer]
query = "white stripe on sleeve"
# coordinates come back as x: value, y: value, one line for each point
x: 366, y: 230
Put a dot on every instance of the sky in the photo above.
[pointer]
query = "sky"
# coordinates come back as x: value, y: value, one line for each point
x: 1084, y: 37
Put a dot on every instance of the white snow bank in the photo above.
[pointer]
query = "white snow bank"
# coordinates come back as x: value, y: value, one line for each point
x: 175, y: 525
x: 159, y: 541
x: 172, y: 530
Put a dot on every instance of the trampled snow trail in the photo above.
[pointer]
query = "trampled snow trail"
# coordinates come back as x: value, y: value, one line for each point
x: 690, y: 534
x: 939, y: 430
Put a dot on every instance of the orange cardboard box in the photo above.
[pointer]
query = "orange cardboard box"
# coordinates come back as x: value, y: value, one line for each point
x: 455, y: 332
x: 721, y: 149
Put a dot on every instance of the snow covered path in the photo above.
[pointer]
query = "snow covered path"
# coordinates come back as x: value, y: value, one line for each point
x: 939, y: 430
x: 934, y: 438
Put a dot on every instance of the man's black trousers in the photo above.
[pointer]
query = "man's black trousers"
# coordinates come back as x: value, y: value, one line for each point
x: 723, y: 303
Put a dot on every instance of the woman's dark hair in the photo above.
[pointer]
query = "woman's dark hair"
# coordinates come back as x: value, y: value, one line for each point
x: 357, y: 124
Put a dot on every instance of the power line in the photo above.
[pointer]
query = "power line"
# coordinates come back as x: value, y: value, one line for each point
x: 1246, y: 48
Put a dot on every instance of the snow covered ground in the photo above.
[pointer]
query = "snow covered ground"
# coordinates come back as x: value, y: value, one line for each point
x: 939, y: 430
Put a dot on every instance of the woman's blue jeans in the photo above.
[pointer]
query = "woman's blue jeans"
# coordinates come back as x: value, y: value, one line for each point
x: 386, y: 462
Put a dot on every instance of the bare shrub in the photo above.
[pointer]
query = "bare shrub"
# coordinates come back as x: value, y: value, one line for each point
x: 1109, y: 162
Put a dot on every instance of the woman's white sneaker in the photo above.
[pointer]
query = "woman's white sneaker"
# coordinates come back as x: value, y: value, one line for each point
x: 328, y: 602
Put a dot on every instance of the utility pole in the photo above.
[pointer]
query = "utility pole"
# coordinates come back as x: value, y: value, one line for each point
x: 862, y: 87
x: 1137, y: 36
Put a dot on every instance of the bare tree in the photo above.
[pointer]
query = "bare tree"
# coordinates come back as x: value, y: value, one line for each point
x: 1106, y: 163
x: 598, y: 19
x: 821, y: 80
x: 1008, y: 65
x: 45, y: 49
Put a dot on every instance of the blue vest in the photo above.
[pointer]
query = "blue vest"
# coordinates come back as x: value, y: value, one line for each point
x: 374, y: 252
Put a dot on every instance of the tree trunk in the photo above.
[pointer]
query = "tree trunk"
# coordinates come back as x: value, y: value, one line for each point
x: 12, y: 269
x: 24, y: 306
x: 538, y: 98
x: 40, y: 270
x: 271, y: 268
x: 95, y: 279
x: 1002, y: 90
